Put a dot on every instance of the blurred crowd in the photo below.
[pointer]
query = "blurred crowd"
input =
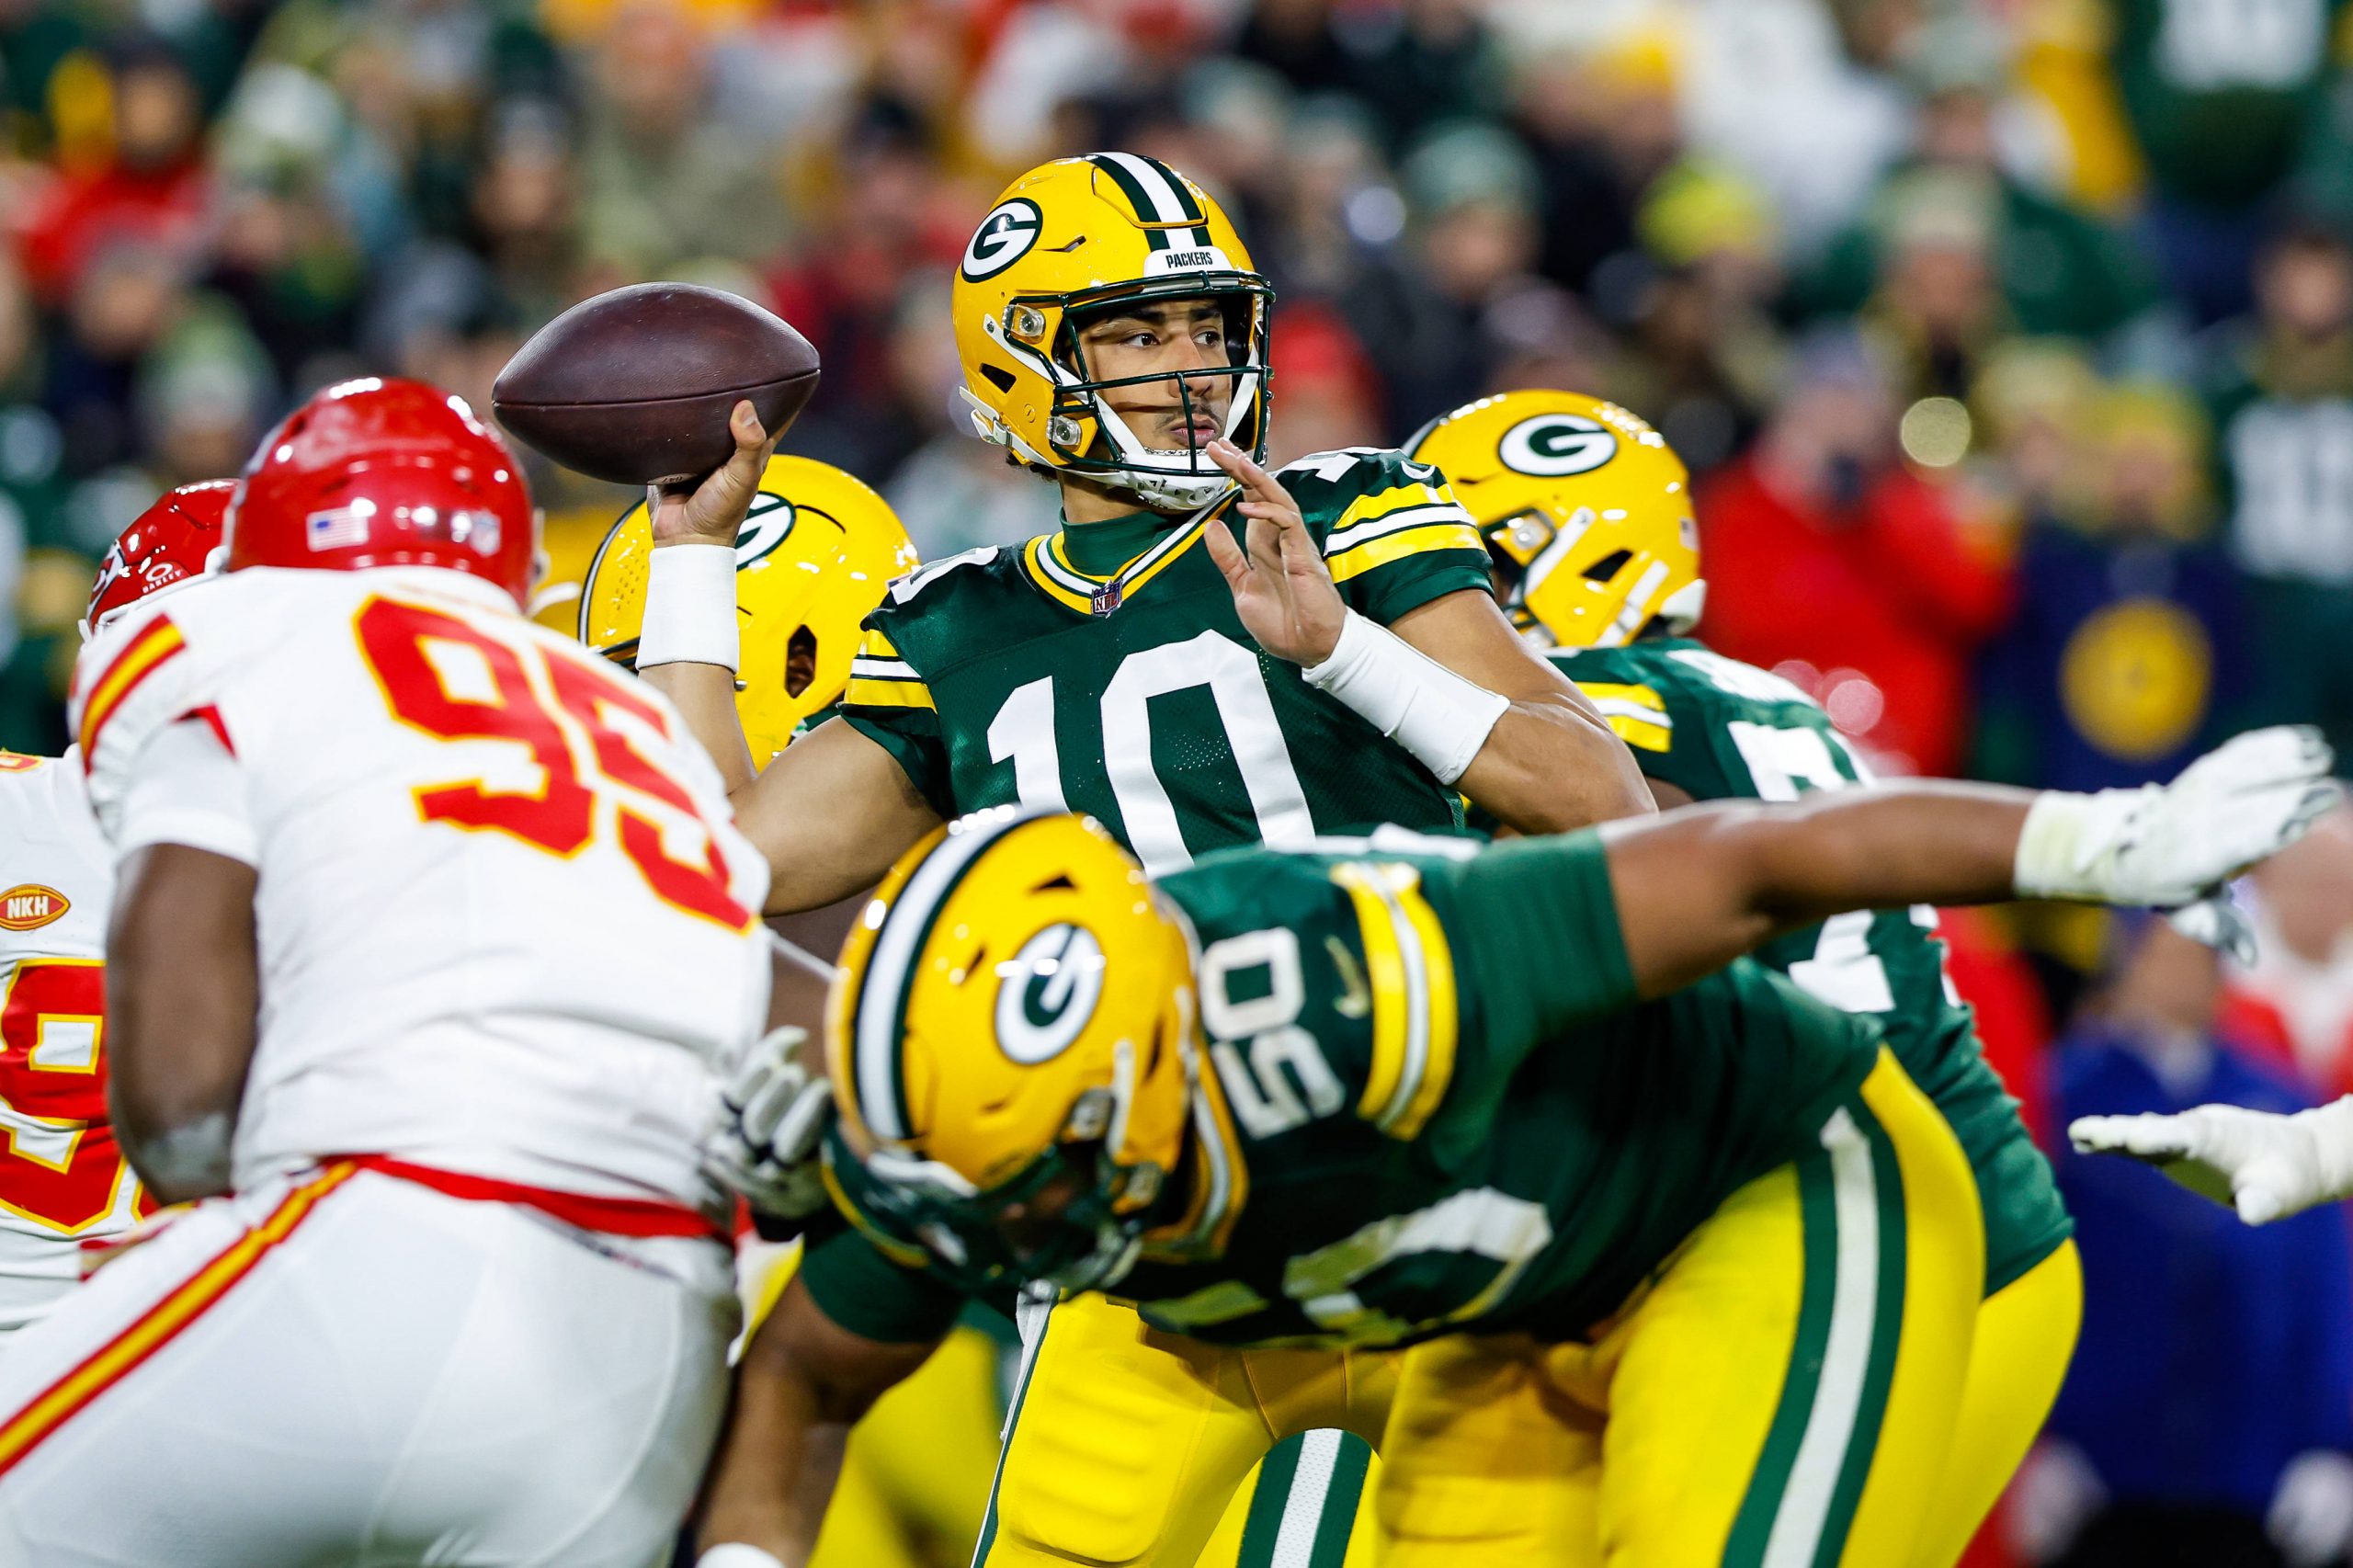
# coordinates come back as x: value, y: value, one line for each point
x: 2011, y: 340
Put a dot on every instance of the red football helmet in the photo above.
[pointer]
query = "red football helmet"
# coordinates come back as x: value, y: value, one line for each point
x: 386, y: 472
x: 169, y: 545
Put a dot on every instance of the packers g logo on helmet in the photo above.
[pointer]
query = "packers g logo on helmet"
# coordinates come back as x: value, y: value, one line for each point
x: 1585, y: 509
x: 1004, y: 237
x: 1554, y: 446
x: 1037, y: 935
x: 1068, y: 240
x: 815, y: 554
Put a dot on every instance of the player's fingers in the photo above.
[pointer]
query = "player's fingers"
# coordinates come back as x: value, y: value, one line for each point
x: 2143, y: 1137
x: 1232, y: 563
x: 743, y: 424
x: 1243, y: 471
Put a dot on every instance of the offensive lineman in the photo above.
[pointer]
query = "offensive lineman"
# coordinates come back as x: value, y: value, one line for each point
x: 1718, y: 1260
x: 450, y: 1289
x: 1347, y: 667
x: 64, y: 1180
x: 1588, y: 512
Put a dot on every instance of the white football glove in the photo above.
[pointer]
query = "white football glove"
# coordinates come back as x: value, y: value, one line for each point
x: 2173, y: 843
x: 2265, y: 1166
x: 773, y: 1121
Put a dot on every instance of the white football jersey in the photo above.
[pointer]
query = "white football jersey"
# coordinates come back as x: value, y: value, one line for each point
x: 506, y: 926
x: 63, y: 1180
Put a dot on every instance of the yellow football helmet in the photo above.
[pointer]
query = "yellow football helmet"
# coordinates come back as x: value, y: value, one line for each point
x: 1062, y: 241
x: 1587, y: 511
x: 1015, y: 1019
x: 812, y: 559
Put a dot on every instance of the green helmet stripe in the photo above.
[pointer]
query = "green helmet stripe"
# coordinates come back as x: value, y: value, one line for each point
x: 1147, y: 211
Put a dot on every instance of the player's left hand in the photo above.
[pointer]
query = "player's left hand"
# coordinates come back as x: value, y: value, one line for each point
x: 711, y: 510
x: 2265, y: 1166
x: 1282, y: 590
x: 776, y: 1110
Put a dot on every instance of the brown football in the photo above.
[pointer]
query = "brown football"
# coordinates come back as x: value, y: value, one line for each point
x: 634, y: 386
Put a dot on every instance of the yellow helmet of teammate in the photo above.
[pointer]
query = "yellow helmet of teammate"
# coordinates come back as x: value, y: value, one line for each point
x: 1014, y: 1018
x: 814, y: 556
x: 1064, y: 241
x: 1585, y: 508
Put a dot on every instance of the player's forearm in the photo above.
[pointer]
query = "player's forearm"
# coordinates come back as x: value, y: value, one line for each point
x: 775, y: 1471
x: 831, y: 813
x: 1700, y: 887
x: 183, y: 992
x: 1552, y: 764
x: 704, y: 695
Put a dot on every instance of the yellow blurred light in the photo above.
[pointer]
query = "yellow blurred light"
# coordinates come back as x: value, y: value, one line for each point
x: 1935, y: 432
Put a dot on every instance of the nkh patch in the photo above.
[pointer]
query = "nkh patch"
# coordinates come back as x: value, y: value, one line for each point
x: 28, y: 907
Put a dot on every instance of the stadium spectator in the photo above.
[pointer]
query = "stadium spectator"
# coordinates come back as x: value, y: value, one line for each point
x: 2208, y: 1415
x: 2283, y: 409
x: 2125, y: 654
x: 2298, y: 996
x: 1831, y: 560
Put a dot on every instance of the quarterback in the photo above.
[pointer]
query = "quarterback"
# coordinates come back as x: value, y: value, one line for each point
x: 1205, y: 655
x: 64, y: 1180
x: 1689, y: 1264
x: 1588, y: 515
x: 374, y: 1022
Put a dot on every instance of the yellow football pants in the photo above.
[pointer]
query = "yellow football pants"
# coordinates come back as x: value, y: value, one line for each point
x: 1126, y: 1444
x: 2026, y: 1335
x: 1783, y: 1394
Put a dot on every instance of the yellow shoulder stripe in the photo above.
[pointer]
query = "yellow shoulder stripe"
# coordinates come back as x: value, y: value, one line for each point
x: 1638, y: 713
x: 1386, y: 547
x: 1415, y: 1021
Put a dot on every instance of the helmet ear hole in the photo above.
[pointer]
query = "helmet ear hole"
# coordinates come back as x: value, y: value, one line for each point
x: 998, y: 377
x: 800, y: 661
x: 1609, y: 566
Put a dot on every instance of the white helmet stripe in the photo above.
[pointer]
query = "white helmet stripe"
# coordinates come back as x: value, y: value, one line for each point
x: 1166, y: 207
x: 876, y: 1038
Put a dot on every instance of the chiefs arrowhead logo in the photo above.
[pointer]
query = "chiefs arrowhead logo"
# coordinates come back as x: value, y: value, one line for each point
x: 28, y: 907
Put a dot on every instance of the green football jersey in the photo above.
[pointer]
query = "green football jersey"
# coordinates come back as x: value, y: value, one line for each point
x: 1005, y: 674
x: 1718, y: 729
x: 1438, y: 1103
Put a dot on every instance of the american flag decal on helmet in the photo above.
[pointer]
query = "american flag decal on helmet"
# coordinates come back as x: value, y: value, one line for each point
x: 340, y: 527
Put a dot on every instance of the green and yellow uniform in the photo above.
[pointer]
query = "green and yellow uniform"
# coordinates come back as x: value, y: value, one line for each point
x: 1020, y: 675
x: 992, y: 677
x: 1718, y: 729
x: 1697, y: 1276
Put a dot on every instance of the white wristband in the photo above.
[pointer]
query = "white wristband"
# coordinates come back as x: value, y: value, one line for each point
x: 689, y: 607
x: 734, y: 1553
x: 1440, y: 718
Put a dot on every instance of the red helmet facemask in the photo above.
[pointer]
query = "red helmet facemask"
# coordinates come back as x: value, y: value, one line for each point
x: 386, y: 472
x: 169, y: 545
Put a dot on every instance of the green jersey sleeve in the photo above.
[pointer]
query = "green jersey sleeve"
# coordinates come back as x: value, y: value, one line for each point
x: 863, y: 1290
x: 1533, y: 929
x: 889, y: 701
x: 1393, y: 535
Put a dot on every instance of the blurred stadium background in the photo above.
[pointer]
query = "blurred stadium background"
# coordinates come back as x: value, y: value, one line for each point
x: 2012, y: 341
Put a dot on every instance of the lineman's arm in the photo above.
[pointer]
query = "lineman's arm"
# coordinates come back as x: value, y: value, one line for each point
x: 1696, y: 888
x: 1552, y: 762
x: 1450, y: 682
x: 802, y: 1384
x: 835, y: 809
x: 183, y: 992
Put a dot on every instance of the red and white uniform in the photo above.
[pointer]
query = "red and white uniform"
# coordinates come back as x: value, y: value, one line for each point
x: 63, y: 1180
x: 463, y: 1307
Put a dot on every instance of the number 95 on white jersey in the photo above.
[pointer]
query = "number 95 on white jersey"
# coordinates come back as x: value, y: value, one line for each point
x: 505, y: 925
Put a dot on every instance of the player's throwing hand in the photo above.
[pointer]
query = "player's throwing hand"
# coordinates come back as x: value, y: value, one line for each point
x: 713, y: 510
x: 1282, y: 590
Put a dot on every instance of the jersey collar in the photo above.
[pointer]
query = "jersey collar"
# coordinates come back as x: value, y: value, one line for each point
x: 1143, y: 544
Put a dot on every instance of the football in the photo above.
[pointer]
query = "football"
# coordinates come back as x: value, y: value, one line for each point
x: 634, y: 385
